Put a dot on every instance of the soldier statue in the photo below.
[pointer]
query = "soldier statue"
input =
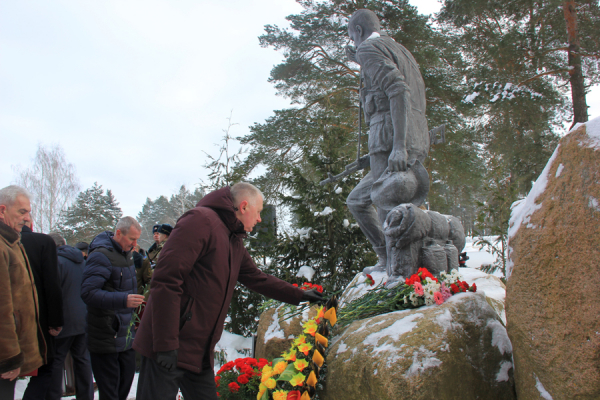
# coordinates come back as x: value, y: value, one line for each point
x: 393, y: 96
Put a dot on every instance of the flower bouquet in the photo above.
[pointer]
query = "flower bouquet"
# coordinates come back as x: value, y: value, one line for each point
x: 421, y: 289
x: 295, y: 375
x: 239, y: 379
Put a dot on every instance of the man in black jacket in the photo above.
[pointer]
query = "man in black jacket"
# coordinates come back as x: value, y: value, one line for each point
x: 41, y: 252
x: 109, y: 289
x: 72, y: 337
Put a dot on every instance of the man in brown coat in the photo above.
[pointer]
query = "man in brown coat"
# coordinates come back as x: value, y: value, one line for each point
x: 191, y: 289
x: 19, y: 326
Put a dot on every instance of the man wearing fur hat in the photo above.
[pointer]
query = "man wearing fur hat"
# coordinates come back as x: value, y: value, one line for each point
x: 144, y: 274
x: 393, y: 96
x: 19, y: 330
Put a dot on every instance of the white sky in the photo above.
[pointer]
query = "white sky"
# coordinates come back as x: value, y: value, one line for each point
x: 134, y: 91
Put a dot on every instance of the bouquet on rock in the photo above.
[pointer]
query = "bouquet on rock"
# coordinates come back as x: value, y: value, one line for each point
x: 421, y: 289
x: 295, y: 376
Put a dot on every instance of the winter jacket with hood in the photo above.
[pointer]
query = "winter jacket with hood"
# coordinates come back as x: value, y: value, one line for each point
x: 108, y: 279
x: 194, y: 280
x: 19, y: 324
x: 70, y: 271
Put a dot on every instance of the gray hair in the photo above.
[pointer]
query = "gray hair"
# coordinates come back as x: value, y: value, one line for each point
x: 58, y: 239
x: 9, y: 194
x: 244, y: 191
x: 126, y: 223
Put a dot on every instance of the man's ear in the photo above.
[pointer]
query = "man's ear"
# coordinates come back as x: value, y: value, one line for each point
x: 243, y: 206
x: 2, y: 210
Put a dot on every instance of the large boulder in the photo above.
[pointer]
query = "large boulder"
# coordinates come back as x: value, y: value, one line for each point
x: 276, y: 331
x: 553, y: 290
x: 459, y: 349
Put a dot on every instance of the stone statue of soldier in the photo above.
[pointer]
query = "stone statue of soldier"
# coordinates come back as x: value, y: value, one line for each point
x: 393, y: 96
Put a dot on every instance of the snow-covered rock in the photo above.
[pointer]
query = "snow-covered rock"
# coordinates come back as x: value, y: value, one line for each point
x: 553, y: 296
x: 459, y: 349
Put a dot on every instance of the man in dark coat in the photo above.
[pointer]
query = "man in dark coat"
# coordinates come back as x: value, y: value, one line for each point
x: 109, y: 289
x: 41, y: 252
x: 191, y: 289
x: 72, y: 337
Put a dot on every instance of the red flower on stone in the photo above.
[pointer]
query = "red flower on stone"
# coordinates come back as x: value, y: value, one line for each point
x: 234, y: 387
x: 473, y: 288
x: 243, y: 379
x: 455, y: 289
x: 370, y: 281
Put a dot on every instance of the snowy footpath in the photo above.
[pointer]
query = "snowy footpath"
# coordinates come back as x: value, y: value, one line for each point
x: 235, y: 346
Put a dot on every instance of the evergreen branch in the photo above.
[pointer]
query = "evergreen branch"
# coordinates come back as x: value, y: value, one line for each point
x: 556, y: 71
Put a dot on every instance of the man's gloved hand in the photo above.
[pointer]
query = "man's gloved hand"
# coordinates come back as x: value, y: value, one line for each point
x: 312, y: 296
x: 167, y: 359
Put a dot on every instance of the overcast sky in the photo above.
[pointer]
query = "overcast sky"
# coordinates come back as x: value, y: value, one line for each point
x: 134, y: 91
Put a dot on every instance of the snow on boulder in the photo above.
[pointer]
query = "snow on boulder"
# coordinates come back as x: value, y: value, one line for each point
x: 275, y: 334
x: 459, y: 349
x: 552, y: 297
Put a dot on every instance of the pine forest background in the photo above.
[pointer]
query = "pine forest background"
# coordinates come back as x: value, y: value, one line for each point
x: 506, y: 77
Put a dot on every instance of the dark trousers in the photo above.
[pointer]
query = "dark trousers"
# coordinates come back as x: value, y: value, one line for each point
x: 84, y: 386
x: 114, y: 373
x: 7, y: 389
x: 156, y: 383
x: 38, y: 386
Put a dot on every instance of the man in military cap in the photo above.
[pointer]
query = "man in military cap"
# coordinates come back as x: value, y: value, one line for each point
x: 393, y: 95
x: 144, y: 274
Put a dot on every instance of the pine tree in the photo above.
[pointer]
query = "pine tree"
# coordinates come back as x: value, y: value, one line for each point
x: 92, y: 213
x: 536, y: 45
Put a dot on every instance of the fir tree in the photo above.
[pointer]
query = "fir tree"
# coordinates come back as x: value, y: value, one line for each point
x: 93, y: 212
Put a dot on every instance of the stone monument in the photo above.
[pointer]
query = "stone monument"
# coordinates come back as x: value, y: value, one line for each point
x: 386, y: 202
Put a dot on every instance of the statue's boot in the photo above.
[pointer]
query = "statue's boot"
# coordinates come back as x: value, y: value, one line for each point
x: 381, y: 265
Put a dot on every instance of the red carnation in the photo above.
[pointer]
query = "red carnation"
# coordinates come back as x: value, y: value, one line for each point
x: 217, y: 379
x: 370, y: 281
x: 454, y: 288
x: 243, y: 379
x: 410, y: 281
x: 234, y: 387
x: 473, y: 288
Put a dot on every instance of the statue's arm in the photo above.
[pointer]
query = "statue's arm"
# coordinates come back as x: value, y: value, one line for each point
x: 386, y: 76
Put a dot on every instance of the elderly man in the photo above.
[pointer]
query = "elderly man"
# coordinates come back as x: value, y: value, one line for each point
x: 19, y: 327
x: 191, y: 290
x: 109, y: 289
x: 394, y: 102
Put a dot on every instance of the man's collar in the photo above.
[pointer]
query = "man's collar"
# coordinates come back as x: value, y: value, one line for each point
x: 8, y: 233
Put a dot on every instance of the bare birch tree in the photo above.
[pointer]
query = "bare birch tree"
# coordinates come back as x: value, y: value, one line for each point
x: 53, y: 184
